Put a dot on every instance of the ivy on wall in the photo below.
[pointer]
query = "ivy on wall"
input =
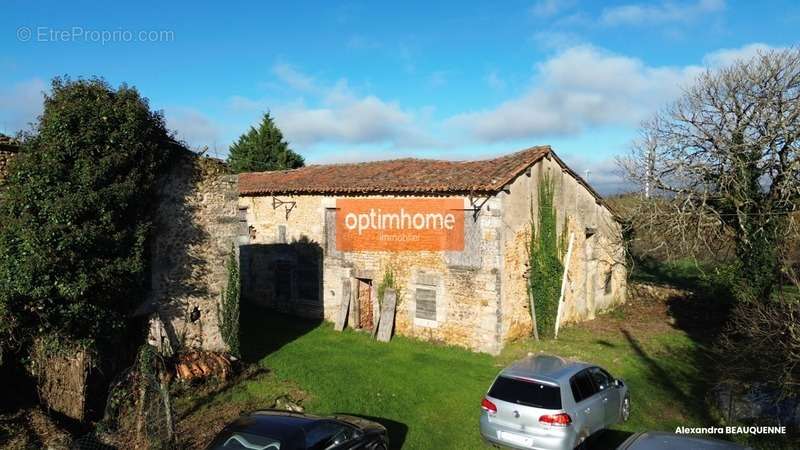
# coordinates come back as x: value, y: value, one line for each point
x: 545, y: 269
x: 229, y: 311
x: 389, y: 282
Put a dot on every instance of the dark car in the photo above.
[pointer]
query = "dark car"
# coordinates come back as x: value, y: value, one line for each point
x: 283, y: 430
x: 655, y: 440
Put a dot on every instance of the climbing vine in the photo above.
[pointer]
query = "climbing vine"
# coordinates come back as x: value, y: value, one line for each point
x: 389, y: 282
x: 545, y: 269
x: 229, y: 312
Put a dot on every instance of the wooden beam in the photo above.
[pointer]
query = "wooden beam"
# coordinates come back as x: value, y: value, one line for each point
x: 564, y: 279
x: 344, y: 307
x: 376, y: 309
x: 389, y: 304
x: 355, y: 314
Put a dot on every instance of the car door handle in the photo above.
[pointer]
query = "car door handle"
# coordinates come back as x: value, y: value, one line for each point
x: 605, y: 400
x: 588, y: 410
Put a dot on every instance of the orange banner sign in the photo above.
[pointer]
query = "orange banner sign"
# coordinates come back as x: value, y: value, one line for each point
x: 400, y: 224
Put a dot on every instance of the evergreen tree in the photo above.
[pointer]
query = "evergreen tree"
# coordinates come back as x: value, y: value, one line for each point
x: 262, y: 149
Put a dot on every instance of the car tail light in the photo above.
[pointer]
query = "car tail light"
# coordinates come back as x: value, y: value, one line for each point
x: 558, y: 420
x: 488, y: 406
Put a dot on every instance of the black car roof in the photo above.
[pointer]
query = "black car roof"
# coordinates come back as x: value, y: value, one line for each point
x: 281, y: 425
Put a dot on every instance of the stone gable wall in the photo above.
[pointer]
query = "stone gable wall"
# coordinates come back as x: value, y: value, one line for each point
x: 593, y: 257
x: 195, y: 228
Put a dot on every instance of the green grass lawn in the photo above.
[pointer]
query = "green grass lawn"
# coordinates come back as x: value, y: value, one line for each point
x: 428, y: 395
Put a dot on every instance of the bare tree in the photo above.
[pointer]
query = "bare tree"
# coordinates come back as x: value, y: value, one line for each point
x: 721, y: 165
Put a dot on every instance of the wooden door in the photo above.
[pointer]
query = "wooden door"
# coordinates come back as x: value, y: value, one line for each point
x: 365, y: 304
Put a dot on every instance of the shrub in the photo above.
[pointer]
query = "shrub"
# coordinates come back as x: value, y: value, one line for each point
x: 75, y: 217
x: 761, y: 344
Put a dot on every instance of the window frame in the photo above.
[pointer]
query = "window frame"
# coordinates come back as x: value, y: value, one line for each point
x: 600, y: 388
x: 435, y: 302
x: 573, y: 383
x: 430, y: 280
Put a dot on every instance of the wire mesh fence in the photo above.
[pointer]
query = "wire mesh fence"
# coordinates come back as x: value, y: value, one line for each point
x: 138, y: 413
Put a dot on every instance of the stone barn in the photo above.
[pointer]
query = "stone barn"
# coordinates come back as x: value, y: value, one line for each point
x: 461, y: 277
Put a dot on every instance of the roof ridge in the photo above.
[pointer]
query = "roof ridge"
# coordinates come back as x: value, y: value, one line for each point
x: 410, y: 158
x: 403, y: 176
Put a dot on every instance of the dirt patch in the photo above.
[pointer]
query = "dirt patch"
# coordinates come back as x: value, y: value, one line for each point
x: 32, y: 428
x: 204, y: 409
x: 647, y: 311
x: 197, y: 430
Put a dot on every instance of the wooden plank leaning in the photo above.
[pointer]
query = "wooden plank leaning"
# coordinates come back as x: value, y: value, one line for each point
x: 341, y: 319
x: 388, y: 307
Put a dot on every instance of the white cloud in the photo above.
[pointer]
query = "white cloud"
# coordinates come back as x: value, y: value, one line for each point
x: 579, y: 88
x: 727, y: 56
x: 20, y: 105
x: 556, y: 40
x: 665, y: 12
x: 351, y: 120
x: 549, y: 8
x: 336, y: 114
x: 192, y: 126
x: 495, y: 81
x: 240, y: 104
x: 294, y: 78
x: 603, y: 175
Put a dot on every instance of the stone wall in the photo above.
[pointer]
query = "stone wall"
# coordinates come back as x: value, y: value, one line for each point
x: 195, y: 229
x: 467, y: 288
x: 481, y: 293
x: 597, y: 274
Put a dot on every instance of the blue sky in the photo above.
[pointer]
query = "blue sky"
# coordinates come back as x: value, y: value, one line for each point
x: 372, y: 80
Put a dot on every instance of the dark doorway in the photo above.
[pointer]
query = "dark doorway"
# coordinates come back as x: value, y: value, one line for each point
x: 284, y: 277
x: 364, y: 300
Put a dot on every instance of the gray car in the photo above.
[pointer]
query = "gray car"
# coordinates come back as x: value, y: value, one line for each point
x: 549, y: 403
x: 656, y: 440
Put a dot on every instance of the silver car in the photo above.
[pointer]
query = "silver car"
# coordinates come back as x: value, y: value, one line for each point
x: 656, y: 440
x: 549, y: 403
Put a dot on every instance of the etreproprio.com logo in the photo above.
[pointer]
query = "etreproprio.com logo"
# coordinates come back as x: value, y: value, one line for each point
x: 95, y: 36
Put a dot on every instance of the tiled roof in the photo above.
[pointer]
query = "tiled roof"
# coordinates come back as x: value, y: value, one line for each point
x: 399, y: 176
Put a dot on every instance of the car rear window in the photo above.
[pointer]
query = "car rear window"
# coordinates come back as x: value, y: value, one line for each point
x: 525, y: 392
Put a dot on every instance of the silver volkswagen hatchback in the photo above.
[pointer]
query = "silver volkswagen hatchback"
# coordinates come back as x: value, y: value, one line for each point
x: 549, y: 403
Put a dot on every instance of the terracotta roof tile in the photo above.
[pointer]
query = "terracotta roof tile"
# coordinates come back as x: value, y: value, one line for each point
x: 399, y: 176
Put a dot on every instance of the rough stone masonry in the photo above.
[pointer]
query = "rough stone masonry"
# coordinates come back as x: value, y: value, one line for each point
x: 475, y: 297
x: 194, y: 232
